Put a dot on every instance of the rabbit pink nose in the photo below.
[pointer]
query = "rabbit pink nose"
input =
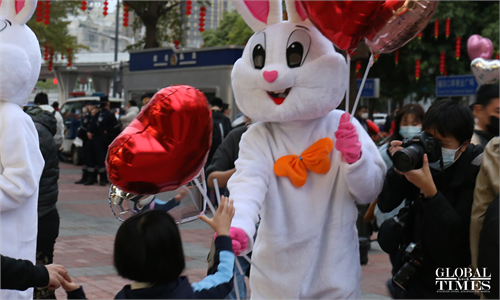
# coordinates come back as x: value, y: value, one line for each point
x: 270, y: 76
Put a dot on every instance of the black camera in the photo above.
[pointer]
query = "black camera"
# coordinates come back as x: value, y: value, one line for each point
x: 412, y: 156
x: 414, y: 257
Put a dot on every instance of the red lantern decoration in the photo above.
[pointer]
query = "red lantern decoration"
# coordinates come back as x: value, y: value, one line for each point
x: 125, y: 15
x: 417, y: 69
x: 84, y: 6
x: 377, y: 56
x: 46, y: 53
x: 39, y: 12
x: 176, y: 43
x: 458, y: 46
x: 447, y: 30
x: 436, y: 29
x: 496, y: 56
x: 396, y: 57
x: 188, y: 7
x: 358, y: 66
x: 46, y: 15
x: 105, y: 8
x: 70, y: 58
x: 442, y: 63
x: 51, y: 59
x: 202, y: 19
x: 420, y: 36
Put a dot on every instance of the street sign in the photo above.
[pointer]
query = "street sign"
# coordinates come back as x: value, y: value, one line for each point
x: 371, y: 88
x: 460, y: 85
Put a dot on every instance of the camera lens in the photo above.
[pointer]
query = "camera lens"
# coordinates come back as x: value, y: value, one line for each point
x: 409, y: 158
x: 404, y: 275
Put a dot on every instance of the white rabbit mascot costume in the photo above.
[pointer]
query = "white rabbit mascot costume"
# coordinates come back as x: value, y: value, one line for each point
x: 291, y: 79
x: 21, y: 162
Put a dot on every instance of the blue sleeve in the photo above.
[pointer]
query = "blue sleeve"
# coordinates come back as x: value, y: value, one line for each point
x: 166, y: 206
x: 219, y: 284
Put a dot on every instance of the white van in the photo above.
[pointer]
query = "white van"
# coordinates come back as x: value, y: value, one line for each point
x: 72, y: 112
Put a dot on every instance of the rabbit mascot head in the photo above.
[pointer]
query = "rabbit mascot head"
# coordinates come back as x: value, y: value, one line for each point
x: 288, y: 71
x: 20, y: 56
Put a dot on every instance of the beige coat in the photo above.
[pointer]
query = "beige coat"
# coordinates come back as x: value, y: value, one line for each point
x: 487, y: 186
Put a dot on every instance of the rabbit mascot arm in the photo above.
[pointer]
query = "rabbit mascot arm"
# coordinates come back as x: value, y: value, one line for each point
x: 304, y: 165
x: 21, y: 162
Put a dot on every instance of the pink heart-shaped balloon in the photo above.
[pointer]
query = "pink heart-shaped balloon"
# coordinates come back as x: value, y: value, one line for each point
x: 477, y: 46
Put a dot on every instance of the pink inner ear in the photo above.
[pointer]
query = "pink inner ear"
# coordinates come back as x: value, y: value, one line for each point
x: 19, y: 5
x: 300, y: 10
x: 259, y: 9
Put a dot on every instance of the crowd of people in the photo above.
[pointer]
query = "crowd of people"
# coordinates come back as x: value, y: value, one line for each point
x: 440, y: 211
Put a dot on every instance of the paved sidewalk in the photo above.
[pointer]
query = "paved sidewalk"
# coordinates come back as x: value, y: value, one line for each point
x: 88, y: 227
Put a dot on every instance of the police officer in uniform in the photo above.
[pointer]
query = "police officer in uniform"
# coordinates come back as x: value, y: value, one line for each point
x: 82, y: 134
x: 103, y: 128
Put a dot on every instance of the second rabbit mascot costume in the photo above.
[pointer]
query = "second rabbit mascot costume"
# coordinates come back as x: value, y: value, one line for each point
x: 21, y: 162
x: 303, y: 166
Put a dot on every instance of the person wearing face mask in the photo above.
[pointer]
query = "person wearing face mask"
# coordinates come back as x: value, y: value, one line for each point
x: 486, y: 111
x: 439, y: 199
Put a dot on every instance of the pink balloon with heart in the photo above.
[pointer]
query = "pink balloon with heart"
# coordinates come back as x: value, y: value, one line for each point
x: 477, y: 46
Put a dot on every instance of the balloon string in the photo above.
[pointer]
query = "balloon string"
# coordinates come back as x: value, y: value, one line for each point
x: 240, y: 270
x: 360, y: 91
x: 261, y: 272
x: 192, y: 196
x: 236, y: 289
x: 217, y: 192
x: 205, y: 197
x: 348, y: 80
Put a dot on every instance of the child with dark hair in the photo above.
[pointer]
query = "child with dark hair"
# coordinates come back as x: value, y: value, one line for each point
x: 148, y: 250
x: 439, y: 198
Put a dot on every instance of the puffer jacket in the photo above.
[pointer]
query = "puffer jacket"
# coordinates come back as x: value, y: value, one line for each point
x: 46, y: 125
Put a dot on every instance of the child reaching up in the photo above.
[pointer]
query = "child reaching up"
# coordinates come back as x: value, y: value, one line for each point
x: 148, y: 250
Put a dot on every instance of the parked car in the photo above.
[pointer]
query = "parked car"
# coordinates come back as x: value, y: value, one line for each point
x: 379, y: 119
x: 72, y: 112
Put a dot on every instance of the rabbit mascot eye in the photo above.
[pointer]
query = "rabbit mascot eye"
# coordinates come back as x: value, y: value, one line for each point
x: 21, y: 162
x: 303, y: 165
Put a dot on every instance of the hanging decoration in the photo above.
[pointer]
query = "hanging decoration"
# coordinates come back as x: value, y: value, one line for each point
x: 203, y: 9
x: 84, y: 6
x: 458, y: 46
x: 188, y: 7
x: 176, y: 43
x: 377, y: 56
x: 51, y: 59
x: 125, y: 15
x: 436, y: 29
x: 46, y: 52
x: 105, y: 8
x: 46, y: 15
x: 70, y: 57
x: 396, y: 57
x: 420, y: 36
x: 39, y: 12
x: 442, y: 62
x: 417, y: 69
x: 497, y: 56
x: 447, y: 28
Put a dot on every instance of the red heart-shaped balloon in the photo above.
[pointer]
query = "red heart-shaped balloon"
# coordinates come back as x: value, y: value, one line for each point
x: 347, y: 23
x: 165, y: 146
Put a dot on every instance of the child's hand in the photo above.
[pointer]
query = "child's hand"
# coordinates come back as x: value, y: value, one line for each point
x: 69, y: 286
x: 221, y: 222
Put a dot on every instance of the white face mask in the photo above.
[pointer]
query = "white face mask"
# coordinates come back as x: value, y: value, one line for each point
x: 448, y: 158
x: 409, y: 131
x: 364, y: 116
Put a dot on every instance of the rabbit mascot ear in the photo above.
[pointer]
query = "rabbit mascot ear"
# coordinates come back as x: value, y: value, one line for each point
x: 20, y: 56
x: 288, y: 71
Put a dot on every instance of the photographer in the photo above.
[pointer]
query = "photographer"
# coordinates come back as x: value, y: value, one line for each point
x: 439, y: 188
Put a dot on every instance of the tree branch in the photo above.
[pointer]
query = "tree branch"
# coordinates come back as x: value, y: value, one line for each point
x: 135, y: 5
x: 162, y: 10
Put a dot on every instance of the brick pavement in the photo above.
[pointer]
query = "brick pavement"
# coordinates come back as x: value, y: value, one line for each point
x: 86, y: 237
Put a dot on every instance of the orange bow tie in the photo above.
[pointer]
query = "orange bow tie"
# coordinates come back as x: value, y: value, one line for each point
x: 315, y: 159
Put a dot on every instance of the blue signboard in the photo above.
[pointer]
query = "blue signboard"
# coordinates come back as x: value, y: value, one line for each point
x: 460, y: 85
x: 371, y: 88
x: 171, y: 59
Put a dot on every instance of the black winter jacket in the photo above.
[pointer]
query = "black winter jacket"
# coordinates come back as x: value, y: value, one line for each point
x: 21, y: 274
x: 46, y: 125
x: 227, y: 153
x: 440, y: 224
